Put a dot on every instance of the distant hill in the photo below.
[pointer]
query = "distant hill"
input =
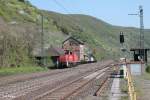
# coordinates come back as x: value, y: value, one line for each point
x: 20, y: 32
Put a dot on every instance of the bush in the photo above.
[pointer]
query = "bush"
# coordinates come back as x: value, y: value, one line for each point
x: 22, y: 0
x: 148, y: 69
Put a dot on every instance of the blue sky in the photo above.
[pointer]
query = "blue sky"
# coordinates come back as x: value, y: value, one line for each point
x: 112, y: 11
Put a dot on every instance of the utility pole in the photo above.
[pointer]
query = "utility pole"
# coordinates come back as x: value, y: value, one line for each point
x: 42, y: 39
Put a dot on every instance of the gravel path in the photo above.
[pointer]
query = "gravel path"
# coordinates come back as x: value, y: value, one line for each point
x: 115, y: 93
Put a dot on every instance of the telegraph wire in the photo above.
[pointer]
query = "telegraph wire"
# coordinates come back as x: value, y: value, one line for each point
x: 68, y: 12
x: 76, y: 21
x: 59, y: 4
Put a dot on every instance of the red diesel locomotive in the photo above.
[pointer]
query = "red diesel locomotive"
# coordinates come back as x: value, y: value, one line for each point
x: 69, y: 59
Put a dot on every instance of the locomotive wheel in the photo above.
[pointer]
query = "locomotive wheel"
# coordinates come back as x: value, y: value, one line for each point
x: 59, y: 65
x: 74, y: 64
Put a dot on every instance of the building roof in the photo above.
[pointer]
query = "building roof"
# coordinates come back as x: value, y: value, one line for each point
x: 80, y: 42
x: 55, y: 51
x: 51, y: 51
x: 135, y: 49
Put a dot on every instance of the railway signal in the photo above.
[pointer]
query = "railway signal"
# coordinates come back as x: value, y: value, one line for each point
x: 121, y: 37
x: 122, y: 40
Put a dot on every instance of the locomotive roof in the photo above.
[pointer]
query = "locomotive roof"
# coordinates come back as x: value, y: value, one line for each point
x: 72, y: 38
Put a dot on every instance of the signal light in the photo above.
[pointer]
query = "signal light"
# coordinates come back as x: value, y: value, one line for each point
x: 121, y: 37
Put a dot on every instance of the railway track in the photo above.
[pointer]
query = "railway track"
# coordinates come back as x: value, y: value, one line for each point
x: 105, y: 84
x: 20, y: 78
x: 63, y: 92
x: 29, y: 89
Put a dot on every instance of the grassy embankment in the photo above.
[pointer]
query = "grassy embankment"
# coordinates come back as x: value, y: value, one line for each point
x: 20, y: 70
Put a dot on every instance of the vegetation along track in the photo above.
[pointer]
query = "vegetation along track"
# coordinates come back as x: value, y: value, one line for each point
x: 28, y: 89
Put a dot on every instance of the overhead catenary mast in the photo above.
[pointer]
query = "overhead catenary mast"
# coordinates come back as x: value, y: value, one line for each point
x: 141, y: 38
x: 142, y: 47
x: 140, y: 14
x: 141, y: 28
